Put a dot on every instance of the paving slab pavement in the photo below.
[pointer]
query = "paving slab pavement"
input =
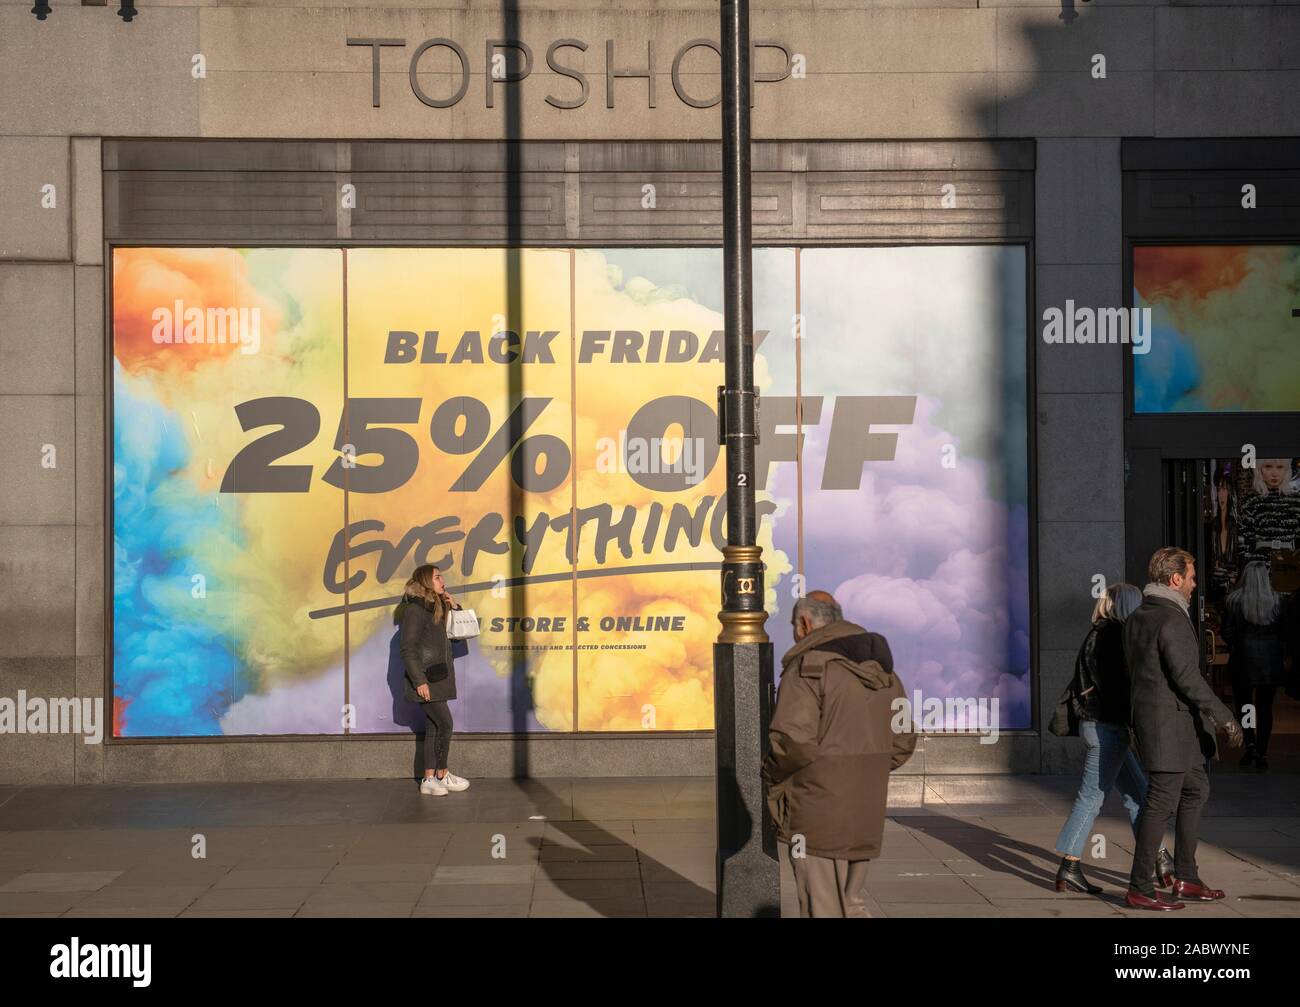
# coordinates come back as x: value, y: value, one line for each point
x: 954, y: 846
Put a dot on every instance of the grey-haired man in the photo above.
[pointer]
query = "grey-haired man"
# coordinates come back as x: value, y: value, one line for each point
x: 833, y: 748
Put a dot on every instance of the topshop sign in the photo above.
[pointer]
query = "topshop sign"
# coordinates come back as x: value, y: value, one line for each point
x: 509, y: 61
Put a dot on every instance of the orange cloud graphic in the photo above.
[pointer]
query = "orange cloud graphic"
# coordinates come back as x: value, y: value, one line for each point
x: 151, y: 280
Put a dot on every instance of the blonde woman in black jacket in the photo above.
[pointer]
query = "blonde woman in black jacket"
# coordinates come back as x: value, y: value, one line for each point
x: 430, y: 672
x: 1099, y: 696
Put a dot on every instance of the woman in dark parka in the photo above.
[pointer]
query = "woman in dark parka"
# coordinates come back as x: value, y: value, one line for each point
x: 430, y: 671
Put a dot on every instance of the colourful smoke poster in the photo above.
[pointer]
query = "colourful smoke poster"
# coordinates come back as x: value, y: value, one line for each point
x: 1224, y: 324
x: 541, y: 424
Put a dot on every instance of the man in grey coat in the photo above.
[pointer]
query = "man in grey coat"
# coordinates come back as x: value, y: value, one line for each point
x: 1175, y: 718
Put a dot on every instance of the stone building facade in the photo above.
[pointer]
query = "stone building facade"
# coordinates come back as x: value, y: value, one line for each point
x: 1081, y: 128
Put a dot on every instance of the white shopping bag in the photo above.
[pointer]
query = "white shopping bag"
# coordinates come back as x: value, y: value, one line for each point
x: 462, y: 624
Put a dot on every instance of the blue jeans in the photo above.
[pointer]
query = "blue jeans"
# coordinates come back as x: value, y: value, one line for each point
x: 1109, y: 762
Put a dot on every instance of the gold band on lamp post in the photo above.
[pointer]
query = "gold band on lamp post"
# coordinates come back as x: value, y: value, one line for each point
x: 743, y: 614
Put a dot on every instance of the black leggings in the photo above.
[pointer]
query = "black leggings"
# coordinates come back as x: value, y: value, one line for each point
x: 1256, y: 737
x: 437, y: 734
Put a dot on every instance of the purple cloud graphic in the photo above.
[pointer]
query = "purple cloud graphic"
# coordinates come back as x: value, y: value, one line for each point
x: 929, y: 556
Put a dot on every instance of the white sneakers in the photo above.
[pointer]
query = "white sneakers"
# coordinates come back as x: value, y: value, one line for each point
x: 435, y: 787
x: 432, y: 786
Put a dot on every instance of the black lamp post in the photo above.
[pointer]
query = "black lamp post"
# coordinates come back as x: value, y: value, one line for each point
x: 748, y: 876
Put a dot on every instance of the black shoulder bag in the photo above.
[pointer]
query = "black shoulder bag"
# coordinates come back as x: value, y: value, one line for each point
x: 435, y: 671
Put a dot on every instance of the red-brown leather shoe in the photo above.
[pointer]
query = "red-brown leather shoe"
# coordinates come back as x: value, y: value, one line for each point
x: 1164, y: 869
x: 1159, y: 902
x: 1194, y: 891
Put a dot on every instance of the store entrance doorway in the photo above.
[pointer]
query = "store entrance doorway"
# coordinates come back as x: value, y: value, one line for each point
x: 1242, y: 523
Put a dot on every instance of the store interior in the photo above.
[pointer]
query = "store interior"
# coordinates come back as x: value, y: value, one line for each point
x: 1251, y: 594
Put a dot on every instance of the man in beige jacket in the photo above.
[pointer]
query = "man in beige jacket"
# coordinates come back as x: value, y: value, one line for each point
x: 832, y: 749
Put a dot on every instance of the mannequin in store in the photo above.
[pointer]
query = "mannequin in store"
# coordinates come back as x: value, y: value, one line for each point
x: 1270, y: 516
